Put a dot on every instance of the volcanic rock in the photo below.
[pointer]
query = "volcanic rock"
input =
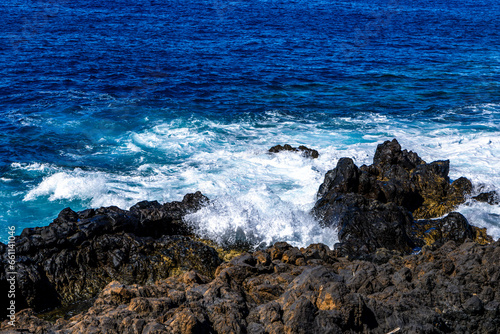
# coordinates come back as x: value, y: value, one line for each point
x: 375, y: 206
x: 452, y: 227
x: 365, y: 224
x: 448, y: 289
x: 490, y: 197
x: 74, y: 257
x: 305, y: 151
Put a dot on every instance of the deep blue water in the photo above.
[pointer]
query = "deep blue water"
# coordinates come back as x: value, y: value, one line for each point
x: 109, y: 103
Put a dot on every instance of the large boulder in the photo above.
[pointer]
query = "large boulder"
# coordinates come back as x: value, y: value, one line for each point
x: 375, y: 206
x: 404, y: 178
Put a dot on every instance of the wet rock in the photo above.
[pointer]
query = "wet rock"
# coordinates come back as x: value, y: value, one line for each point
x: 404, y: 178
x: 452, y: 227
x: 66, y: 216
x: 156, y: 219
x: 491, y: 198
x: 305, y: 151
x: 389, y: 153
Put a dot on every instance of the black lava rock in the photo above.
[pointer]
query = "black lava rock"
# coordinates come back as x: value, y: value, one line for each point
x: 305, y: 151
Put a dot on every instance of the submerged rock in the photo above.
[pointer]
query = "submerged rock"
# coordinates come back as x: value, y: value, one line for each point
x: 305, y: 151
x: 448, y: 289
x: 490, y: 197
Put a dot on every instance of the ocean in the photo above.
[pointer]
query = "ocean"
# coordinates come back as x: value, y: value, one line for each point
x: 114, y: 102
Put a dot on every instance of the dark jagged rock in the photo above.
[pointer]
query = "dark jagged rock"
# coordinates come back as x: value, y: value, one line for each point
x: 452, y: 227
x: 490, y: 197
x: 79, y: 253
x: 448, y: 289
x: 365, y: 224
x: 374, y: 206
x: 389, y: 153
x: 305, y: 151
x: 149, y: 219
x: 344, y: 178
x: 402, y: 177
x: 431, y: 194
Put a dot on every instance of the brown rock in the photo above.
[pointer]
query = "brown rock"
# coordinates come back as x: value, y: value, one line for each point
x: 447, y: 289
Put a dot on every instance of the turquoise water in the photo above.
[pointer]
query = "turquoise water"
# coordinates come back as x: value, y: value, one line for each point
x: 112, y: 103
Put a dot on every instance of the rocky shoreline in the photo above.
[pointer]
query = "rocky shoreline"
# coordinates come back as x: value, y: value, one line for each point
x: 405, y: 263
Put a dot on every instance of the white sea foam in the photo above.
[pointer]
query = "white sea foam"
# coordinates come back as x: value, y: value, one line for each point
x: 259, y: 217
x: 37, y: 167
x: 63, y: 185
x: 267, y: 197
x: 483, y: 215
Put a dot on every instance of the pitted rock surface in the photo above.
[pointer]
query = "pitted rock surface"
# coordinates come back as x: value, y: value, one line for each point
x: 450, y: 289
